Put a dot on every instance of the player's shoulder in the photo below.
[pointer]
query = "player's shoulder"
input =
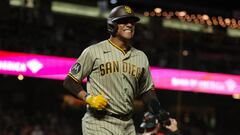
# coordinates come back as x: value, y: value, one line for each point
x: 139, y: 52
x: 97, y: 46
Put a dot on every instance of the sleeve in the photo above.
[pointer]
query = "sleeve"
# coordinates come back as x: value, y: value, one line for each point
x: 146, y: 82
x: 82, y: 67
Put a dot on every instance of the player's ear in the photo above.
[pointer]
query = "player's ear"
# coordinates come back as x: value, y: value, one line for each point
x: 112, y: 27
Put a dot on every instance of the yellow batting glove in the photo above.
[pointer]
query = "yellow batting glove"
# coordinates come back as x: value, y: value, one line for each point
x: 98, y: 102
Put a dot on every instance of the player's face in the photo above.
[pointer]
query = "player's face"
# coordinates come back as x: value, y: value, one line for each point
x: 126, y: 29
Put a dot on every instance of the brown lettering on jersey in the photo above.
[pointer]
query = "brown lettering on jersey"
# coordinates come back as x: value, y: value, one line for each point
x: 115, y: 66
x: 102, y: 69
x: 134, y: 70
x: 139, y: 72
x: 125, y: 67
x: 129, y: 68
x: 108, y: 67
x: 111, y: 67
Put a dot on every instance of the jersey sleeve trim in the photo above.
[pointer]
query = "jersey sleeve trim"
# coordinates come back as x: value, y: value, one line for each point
x: 69, y: 74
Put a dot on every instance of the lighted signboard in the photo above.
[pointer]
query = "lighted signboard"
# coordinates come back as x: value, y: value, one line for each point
x: 196, y: 81
x: 53, y: 67
x: 33, y: 65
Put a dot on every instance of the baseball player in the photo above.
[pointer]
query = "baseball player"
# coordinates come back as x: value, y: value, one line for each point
x: 116, y: 74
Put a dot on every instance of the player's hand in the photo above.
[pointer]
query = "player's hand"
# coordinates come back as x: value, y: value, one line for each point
x: 98, y: 102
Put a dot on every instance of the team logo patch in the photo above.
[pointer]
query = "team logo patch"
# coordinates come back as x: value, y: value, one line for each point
x: 128, y: 9
x: 75, y: 68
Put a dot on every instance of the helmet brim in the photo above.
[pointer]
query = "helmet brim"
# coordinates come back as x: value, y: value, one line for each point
x: 131, y: 18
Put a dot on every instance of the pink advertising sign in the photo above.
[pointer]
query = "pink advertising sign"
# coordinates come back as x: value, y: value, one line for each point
x: 53, y: 67
x: 34, y: 65
x: 193, y: 81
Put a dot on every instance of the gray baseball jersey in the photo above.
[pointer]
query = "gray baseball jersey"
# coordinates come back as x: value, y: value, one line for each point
x: 118, y: 75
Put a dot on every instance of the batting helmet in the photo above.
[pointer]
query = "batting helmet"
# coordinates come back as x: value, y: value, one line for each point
x: 119, y: 13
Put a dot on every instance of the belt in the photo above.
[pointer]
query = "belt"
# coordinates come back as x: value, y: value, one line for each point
x: 100, y: 114
x: 124, y: 117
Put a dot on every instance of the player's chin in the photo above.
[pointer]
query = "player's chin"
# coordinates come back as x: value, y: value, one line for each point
x: 128, y: 36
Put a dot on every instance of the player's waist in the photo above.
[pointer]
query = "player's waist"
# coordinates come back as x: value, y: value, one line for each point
x: 103, y: 113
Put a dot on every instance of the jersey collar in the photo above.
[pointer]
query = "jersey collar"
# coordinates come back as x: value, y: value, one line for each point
x: 120, y: 49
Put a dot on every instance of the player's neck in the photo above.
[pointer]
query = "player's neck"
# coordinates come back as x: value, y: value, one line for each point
x: 124, y: 45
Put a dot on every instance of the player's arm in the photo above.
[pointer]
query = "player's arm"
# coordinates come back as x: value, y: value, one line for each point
x: 98, y: 102
x: 79, y: 70
x: 151, y: 101
x: 148, y: 94
x: 74, y: 87
x: 73, y: 82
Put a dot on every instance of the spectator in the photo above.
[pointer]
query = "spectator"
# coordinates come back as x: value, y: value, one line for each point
x: 152, y: 126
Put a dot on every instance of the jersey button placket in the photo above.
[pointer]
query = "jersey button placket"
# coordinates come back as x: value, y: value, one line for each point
x: 124, y: 58
x: 124, y: 87
x: 123, y: 77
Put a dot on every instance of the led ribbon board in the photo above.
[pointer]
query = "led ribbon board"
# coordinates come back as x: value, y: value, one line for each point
x: 53, y: 67
x: 33, y: 65
x: 193, y: 81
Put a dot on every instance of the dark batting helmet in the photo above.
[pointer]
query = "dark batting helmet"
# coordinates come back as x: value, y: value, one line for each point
x: 117, y: 14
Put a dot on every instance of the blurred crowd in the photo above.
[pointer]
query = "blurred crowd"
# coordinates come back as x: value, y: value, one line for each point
x: 17, y: 122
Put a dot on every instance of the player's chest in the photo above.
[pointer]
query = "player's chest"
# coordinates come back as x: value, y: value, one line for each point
x: 109, y: 64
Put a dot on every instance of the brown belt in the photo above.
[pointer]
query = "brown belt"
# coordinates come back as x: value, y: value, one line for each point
x: 100, y: 114
x: 124, y: 117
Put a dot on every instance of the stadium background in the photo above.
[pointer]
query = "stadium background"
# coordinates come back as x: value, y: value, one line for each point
x: 33, y: 26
